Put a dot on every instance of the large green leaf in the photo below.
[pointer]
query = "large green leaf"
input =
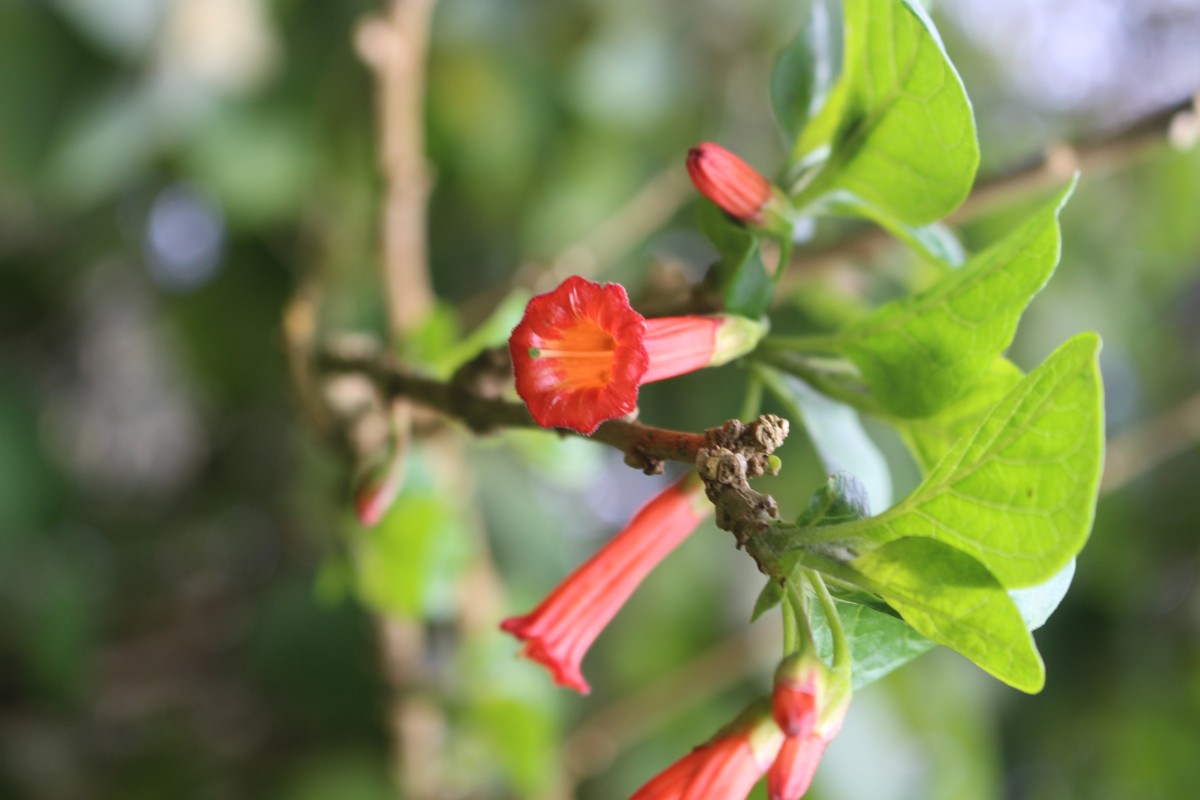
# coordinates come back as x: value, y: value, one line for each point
x: 921, y: 352
x: 1017, y: 493
x: 897, y: 130
x: 950, y: 597
x: 930, y: 438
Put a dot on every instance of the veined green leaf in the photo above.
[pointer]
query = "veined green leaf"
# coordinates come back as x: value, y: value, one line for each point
x: 921, y: 352
x: 879, y: 641
x: 930, y: 438
x: 950, y: 597
x: 1018, y: 493
x: 897, y: 130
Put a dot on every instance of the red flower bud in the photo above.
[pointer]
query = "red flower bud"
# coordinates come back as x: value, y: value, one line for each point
x: 800, y: 682
x: 732, y: 184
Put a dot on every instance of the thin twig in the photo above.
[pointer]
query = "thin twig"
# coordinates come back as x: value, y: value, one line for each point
x: 636, y: 219
x: 1175, y: 126
x: 593, y: 745
x: 642, y: 445
x: 1151, y: 443
x: 395, y: 45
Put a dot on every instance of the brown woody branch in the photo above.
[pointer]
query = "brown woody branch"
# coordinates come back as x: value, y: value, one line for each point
x: 471, y: 397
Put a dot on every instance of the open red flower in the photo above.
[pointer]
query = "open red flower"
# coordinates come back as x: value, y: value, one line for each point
x: 725, y: 768
x: 581, y: 352
x: 733, y: 185
x: 559, y: 631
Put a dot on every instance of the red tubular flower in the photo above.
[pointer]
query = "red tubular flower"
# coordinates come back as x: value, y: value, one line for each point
x: 809, y: 709
x: 794, y: 767
x: 581, y: 352
x: 732, y: 184
x: 725, y: 768
x: 559, y: 631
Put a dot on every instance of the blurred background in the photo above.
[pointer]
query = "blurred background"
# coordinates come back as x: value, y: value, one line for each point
x: 187, y: 608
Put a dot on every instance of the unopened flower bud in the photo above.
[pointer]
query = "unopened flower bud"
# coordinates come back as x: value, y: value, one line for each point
x: 800, y: 682
x: 736, y: 187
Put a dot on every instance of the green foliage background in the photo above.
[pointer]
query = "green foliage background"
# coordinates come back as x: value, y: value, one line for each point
x: 181, y: 611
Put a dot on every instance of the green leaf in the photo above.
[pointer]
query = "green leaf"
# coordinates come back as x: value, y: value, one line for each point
x: 879, y: 641
x: 950, y: 597
x: 408, y: 563
x: 841, y: 499
x: 739, y: 275
x: 836, y: 432
x: 934, y: 242
x: 919, y: 353
x: 1019, y: 491
x: 807, y: 69
x: 930, y: 438
x: 770, y: 596
x: 897, y: 129
x: 1037, y: 603
x: 492, y: 332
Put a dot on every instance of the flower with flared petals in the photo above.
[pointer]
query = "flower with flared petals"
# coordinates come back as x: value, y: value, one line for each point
x: 580, y: 352
x: 559, y: 631
x: 726, y: 768
x: 734, y: 186
x: 809, y: 708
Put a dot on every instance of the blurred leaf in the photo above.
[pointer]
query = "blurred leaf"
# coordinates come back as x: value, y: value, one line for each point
x: 107, y: 143
x: 492, y: 332
x: 261, y: 165
x: 919, y: 353
x: 930, y: 438
x: 807, y: 68
x: 950, y: 597
x: 523, y: 737
x: 406, y: 565
x: 1018, y: 493
x: 346, y: 776
x: 898, y: 126
x: 934, y: 241
x: 836, y: 433
x: 740, y: 277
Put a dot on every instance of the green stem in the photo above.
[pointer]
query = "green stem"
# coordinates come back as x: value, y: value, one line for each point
x: 752, y: 402
x: 841, y: 648
x: 802, y: 635
x: 812, y: 343
x: 821, y: 380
